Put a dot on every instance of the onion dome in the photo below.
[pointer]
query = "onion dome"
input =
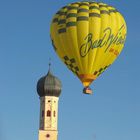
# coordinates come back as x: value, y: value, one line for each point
x: 49, y: 85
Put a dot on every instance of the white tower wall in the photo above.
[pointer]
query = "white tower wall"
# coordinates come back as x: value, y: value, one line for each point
x: 48, y: 118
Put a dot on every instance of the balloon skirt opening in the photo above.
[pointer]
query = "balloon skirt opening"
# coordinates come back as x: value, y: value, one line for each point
x: 87, y: 79
x: 87, y: 90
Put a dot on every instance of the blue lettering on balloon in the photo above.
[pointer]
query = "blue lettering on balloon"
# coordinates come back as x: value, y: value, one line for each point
x: 107, y: 41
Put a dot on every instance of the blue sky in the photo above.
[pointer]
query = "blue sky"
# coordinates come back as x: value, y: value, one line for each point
x: 112, y: 113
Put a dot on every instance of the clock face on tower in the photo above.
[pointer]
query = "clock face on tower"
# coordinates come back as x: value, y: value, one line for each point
x: 48, y: 135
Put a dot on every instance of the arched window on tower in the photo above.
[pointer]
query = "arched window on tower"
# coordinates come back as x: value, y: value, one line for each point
x: 54, y: 113
x: 48, y: 113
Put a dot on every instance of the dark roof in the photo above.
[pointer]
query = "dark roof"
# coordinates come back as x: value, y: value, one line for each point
x: 49, y: 85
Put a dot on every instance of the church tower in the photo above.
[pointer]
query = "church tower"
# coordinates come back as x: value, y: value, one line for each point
x: 49, y: 89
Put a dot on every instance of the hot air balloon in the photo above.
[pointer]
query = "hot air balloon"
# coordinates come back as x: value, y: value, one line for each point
x: 88, y: 37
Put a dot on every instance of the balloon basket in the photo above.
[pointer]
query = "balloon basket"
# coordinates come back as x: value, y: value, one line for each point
x: 87, y: 90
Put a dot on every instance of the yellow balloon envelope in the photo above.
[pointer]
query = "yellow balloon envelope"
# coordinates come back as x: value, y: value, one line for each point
x: 88, y: 37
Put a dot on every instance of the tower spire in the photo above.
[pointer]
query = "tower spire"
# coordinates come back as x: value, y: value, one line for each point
x: 49, y: 64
